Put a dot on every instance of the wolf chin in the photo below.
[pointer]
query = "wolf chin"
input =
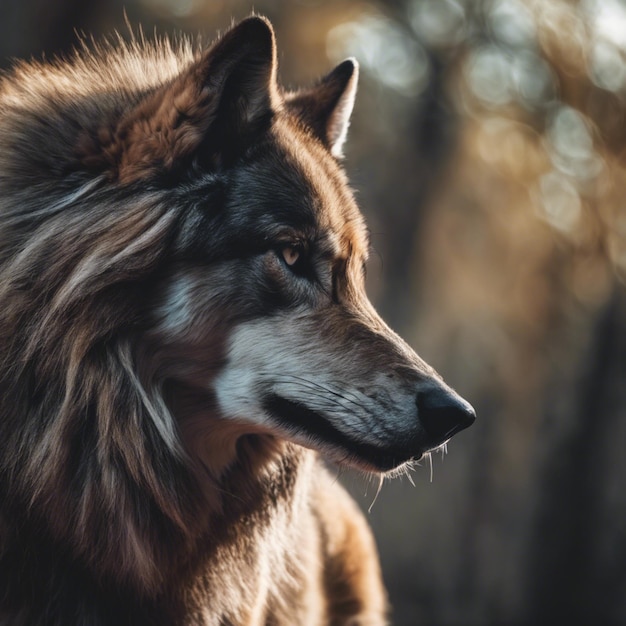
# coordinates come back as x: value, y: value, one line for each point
x: 183, y: 328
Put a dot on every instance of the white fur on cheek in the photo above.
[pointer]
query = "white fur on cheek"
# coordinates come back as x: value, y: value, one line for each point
x: 237, y: 387
x: 236, y: 395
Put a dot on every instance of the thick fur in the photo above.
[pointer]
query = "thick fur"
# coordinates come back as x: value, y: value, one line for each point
x: 183, y: 325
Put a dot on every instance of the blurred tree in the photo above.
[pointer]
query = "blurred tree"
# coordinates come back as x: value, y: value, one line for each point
x: 572, y: 576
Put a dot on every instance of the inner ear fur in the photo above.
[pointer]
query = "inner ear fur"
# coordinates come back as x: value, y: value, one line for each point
x: 326, y: 107
x: 224, y: 95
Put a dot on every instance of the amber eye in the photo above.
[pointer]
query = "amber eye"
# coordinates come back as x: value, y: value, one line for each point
x: 291, y: 254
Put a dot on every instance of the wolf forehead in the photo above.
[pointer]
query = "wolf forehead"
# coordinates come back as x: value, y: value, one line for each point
x: 151, y: 114
x: 293, y: 186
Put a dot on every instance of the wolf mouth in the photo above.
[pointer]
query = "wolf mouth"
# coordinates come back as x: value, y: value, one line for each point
x: 295, y: 416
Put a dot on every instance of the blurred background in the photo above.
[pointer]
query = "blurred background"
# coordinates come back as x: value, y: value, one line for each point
x: 488, y: 151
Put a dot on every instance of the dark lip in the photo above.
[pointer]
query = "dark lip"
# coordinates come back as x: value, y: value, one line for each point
x: 295, y: 417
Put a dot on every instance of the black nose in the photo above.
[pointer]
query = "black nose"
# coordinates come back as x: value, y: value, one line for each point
x: 443, y: 413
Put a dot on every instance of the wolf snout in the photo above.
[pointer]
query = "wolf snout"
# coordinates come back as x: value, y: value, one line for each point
x: 442, y: 414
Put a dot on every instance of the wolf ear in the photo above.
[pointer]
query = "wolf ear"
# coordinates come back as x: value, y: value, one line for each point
x: 222, y: 98
x: 327, y: 106
x: 237, y: 76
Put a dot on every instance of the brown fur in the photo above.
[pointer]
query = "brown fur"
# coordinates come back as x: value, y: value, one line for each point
x: 160, y: 395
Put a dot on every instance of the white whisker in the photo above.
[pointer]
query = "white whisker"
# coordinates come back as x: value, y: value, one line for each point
x: 380, y: 485
x: 408, y: 475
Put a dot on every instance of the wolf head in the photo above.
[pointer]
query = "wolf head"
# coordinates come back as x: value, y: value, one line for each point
x: 182, y: 281
x: 279, y: 277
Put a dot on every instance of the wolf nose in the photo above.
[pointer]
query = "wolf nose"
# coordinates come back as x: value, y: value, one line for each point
x: 443, y: 414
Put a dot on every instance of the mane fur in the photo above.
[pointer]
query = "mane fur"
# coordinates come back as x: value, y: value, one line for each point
x: 89, y: 451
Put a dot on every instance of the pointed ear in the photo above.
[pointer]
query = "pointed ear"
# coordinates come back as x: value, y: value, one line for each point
x: 225, y: 95
x: 238, y: 74
x: 327, y: 106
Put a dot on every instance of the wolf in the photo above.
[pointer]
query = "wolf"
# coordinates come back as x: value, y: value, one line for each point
x: 184, y: 330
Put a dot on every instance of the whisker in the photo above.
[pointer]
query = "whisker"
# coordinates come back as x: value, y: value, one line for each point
x: 312, y: 384
x: 408, y: 475
x: 380, y: 486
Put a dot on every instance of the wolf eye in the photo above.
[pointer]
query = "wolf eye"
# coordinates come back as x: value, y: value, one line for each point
x: 296, y: 257
x: 291, y: 254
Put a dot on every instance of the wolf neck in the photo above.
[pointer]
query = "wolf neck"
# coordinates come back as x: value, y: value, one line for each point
x: 263, y: 522
x: 266, y: 476
x: 262, y: 507
x: 246, y: 530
